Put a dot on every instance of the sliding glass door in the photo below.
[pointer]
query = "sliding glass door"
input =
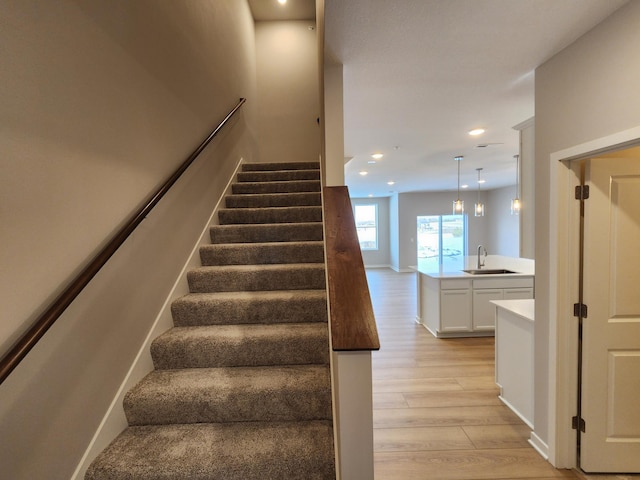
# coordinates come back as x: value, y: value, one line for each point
x: 442, y: 242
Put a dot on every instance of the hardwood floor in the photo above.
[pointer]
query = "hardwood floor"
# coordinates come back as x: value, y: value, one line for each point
x: 436, y: 411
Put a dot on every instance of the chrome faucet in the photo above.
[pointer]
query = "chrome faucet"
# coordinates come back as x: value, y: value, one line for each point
x: 481, y: 264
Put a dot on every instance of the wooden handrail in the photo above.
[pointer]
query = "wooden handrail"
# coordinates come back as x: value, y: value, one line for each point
x: 353, y: 325
x: 29, y: 339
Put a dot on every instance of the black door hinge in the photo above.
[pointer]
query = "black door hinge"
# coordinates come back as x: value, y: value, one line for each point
x: 578, y: 423
x: 580, y: 310
x: 582, y: 192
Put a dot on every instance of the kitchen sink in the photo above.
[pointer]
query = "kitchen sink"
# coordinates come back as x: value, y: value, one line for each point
x: 489, y: 271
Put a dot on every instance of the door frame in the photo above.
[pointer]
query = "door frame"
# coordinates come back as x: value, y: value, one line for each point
x: 563, y: 283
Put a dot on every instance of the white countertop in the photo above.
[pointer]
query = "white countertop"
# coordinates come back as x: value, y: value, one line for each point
x: 522, y: 267
x: 521, y: 308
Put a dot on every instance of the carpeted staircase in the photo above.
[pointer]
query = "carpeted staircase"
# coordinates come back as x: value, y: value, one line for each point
x: 241, y: 387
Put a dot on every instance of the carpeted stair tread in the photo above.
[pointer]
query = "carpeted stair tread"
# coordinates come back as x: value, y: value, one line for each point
x: 232, y: 451
x: 266, y: 232
x: 256, y: 167
x: 262, y: 253
x: 265, y: 307
x: 228, y: 216
x: 235, y: 278
x: 233, y: 394
x: 290, y: 186
x: 278, y: 175
x: 258, y: 200
x: 242, y: 386
x: 241, y: 345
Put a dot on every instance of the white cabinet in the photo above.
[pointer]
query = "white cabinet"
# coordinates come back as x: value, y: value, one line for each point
x: 503, y: 288
x: 484, y: 312
x: 458, y: 307
x: 484, y: 315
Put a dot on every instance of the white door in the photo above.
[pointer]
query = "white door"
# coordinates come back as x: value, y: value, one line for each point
x: 611, y: 329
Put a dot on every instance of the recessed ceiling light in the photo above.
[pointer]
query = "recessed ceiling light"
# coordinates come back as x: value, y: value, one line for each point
x: 464, y: 186
x: 476, y: 131
x: 371, y: 162
x: 363, y: 172
x: 377, y: 156
x: 481, y: 181
x: 391, y: 182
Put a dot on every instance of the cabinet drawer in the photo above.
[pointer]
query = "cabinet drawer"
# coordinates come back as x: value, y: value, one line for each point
x: 518, y: 293
x: 455, y: 284
x: 512, y: 282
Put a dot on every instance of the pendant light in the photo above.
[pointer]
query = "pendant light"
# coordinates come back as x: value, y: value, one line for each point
x: 516, y: 205
x: 479, y: 210
x: 458, y: 205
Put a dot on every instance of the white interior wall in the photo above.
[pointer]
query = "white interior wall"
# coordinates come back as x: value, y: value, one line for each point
x: 586, y: 92
x: 497, y: 230
x: 412, y: 205
x: 288, y: 100
x: 394, y: 234
x: 100, y: 103
x: 334, y: 125
x: 382, y: 256
x: 527, y: 188
x: 503, y: 230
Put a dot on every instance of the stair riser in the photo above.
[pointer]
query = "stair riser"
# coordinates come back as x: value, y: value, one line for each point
x: 269, y: 215
x: 278, y: 176
x: 248, y: 254
x: 258, y: 167
x: 190, y: 350
x: 300, y: 232
x: 274, y: 200
x: 212, y: 279
x: 188, y: 311
x: 276, y: 187
x: 209, y: 397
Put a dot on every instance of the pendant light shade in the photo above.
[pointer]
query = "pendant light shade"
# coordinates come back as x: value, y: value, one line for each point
x: 458, y: 205
x: 479, y: 209
x: 516, y: 205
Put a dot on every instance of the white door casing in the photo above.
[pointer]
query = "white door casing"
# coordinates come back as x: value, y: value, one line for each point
x: 611, y: 330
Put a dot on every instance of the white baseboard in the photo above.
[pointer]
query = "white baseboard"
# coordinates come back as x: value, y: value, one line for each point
x: 401, y: 270
x: 114, y: 420
x: 541, y: 447
x: 377, y: 266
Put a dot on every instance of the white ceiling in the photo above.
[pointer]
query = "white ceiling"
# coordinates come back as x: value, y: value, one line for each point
x: 419, y: 74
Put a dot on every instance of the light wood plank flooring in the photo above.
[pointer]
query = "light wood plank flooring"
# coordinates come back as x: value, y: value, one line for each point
x: 436, y: 411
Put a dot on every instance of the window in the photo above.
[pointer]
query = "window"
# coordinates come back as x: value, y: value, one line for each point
x: 366, y: 217
x: 442, y: 241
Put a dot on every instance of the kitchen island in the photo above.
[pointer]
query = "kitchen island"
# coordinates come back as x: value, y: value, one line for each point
x: 455, y: 303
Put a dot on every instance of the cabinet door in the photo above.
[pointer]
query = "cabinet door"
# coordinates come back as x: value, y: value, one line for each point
x: 484, y: 312
x: 518, y: 293
x: 455, y: 310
